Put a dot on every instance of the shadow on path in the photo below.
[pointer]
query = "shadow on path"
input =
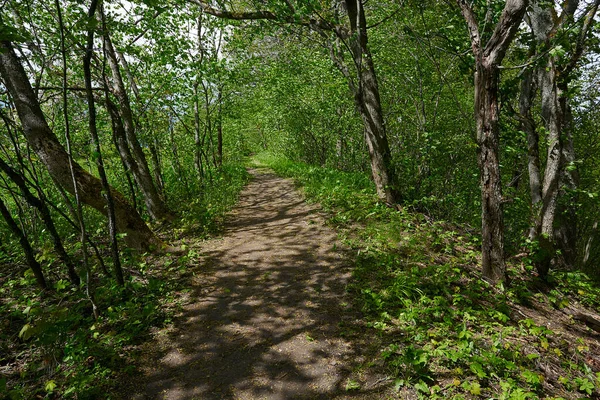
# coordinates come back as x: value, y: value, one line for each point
x: 267, y: 315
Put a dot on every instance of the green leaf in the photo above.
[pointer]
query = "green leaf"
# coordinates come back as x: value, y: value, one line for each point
x: 26, y: 332
x: 352, y: 385
x: 478, y: 370
x: 50, y: 386
x: 557, y: 51
x: 398, y: 383
x: 422, y: 387
x: 11, y: 34
x: 475, y: 389
x: 61, y: 285
x: 585, y: 385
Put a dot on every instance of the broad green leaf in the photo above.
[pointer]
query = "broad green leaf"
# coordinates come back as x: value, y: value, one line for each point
x: 50, y: 386
x: 26, y: 332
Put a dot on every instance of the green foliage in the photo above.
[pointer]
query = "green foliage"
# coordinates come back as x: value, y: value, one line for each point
x: 59, y: 338
x: 442, y: 330
x: 58, y: 346
x: 274, y: 88
x: 204, y: 214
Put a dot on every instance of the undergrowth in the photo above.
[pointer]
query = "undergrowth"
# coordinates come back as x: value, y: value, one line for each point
x: 51, y: 346
x: 443, y: 331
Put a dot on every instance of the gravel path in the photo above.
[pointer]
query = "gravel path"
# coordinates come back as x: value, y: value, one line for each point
x: 268, y: 310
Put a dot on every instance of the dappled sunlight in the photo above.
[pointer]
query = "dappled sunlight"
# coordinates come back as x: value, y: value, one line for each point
x: 266, y: 305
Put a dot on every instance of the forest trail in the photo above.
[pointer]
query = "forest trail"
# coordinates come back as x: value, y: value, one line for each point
x: 267, y: 310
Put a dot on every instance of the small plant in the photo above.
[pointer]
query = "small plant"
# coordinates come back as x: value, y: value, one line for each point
x: 352, y: 385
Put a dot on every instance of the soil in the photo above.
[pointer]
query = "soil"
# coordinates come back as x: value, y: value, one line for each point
x: 268, y: 315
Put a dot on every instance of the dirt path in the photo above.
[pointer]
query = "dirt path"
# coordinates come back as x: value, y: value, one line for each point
x: 268, y: 313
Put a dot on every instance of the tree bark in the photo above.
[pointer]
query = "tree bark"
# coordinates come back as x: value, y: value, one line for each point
x: 120, y: 144
x: 554, y: 226
x: 368, y: 104
x: 29, y: 253
x: 141, y: 172
x: 220, y: 128
x: 197, y: 141
x: 488, y: 57
x: 488, y: 140
x: 527, y: 125
x: 566, y: 232
x: 42, y: 208
x: 552, y: 116
x: 157, y: 169
x: 553, y: 121
x: 110, y: 204
x: 119, y: 136
x: 53, y: 155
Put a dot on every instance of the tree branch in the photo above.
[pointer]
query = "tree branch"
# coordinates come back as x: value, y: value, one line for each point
x: 263, y: 15
x: 471, y: 20
x: 506, y: 28
x: 235, y: 15
x: 71, y: 88
x: 587, y: 24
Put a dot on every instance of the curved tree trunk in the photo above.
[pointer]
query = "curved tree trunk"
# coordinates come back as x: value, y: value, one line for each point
x: 53, y: 155
x: 368, y: 104
x: 41, y: 206
x: 29, y: 253
x: 107, y: 193
x: 141, y: 172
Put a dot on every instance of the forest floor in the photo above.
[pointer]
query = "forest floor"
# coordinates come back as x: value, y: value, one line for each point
x: 267, y: 314
x: 320, y: 294
x: 389, y: 305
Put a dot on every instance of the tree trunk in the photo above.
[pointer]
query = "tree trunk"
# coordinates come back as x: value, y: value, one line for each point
x: 552, y: 115
x: 488, y: 57
x: 488, y: 138
x: 42, y: 208
x: 566, y: 231
x: 376, y: 139
x: 125, y: 164
x: 197, y: 141
x: 157, y: 169
x: 542, y: 26
x: 220, y: 128
x: 53, y: 155
x: 208, y: 130
x: 141, y: 172
x: 119, y: 136
x: 557, y: 227
x: 29, y: 253
x: 368, y: 104
x: 176, y: 164
x: 110, y: 204
x: 527, y: 125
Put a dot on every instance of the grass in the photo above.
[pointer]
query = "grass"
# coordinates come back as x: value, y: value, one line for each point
x: 50, y: 344
x: 443, y: 332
